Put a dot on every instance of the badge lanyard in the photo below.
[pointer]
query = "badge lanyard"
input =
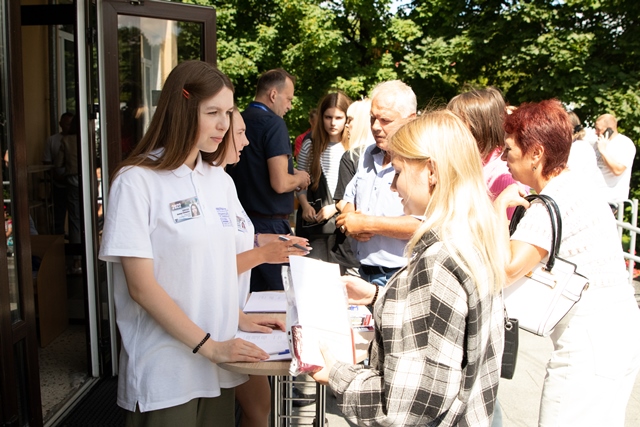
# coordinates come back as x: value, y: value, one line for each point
x: 260, y: 106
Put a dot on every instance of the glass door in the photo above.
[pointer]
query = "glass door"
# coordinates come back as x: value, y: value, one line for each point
x: 19, y: 390
x: 142, y: 42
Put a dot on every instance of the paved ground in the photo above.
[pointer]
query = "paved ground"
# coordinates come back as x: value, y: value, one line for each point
x: 520, y: 396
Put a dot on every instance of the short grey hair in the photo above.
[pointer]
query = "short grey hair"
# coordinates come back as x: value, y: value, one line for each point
x: 403, y: 98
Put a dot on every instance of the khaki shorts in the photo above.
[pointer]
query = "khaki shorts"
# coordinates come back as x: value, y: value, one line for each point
x: 204, y: 411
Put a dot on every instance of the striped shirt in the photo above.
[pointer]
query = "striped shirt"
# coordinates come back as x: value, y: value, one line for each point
x: 436, y: 356
x: 329, y: 162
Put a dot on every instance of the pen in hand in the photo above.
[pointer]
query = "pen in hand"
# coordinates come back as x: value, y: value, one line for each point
x: 295, y: 245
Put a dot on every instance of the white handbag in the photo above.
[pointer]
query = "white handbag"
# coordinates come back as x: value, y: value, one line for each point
x: 540, y: 299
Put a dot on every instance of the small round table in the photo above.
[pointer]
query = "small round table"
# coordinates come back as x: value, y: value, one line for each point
x: 281, y: 395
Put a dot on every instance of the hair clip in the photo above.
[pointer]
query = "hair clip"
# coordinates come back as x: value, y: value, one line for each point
x: 185, y: 93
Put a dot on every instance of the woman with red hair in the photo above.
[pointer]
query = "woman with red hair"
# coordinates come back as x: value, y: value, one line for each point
x: 596, y: 354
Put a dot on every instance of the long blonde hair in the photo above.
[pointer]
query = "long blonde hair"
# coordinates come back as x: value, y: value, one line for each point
x: 459, y: 208
x: 578, y: 129
x: 360, y: 136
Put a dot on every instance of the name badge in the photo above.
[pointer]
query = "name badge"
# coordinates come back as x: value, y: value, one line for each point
x: 185, y: 210
x: 225, y: 218
x: 242, y: 223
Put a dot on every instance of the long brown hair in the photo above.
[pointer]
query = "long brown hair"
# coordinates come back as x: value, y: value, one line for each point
x: 320, y: 137
x: 483, y: 110
x: 174, y: 126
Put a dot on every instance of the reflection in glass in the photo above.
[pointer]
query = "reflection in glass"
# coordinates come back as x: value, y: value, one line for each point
x: 66, y: 70
x: 148, y: 50
x: 8, y: 208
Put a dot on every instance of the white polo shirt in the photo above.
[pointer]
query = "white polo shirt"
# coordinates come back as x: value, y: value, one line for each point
x: 150, y: 215
x: 244, y: 242
x: 622, y: 150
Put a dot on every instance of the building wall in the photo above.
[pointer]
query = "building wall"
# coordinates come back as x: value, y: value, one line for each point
x: 35, y: 59
x: 35, y: 70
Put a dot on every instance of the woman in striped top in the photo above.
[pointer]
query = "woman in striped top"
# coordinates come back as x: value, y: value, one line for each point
x: 320, y: 156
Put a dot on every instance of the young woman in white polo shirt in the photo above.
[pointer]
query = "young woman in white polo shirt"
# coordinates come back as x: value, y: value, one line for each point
x: 175, y: 273
x: 253, y: 249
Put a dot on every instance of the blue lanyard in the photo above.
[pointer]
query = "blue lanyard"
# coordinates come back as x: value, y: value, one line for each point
x: 257, y: 105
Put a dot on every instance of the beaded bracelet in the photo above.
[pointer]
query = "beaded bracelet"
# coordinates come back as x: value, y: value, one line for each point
x: 206, y: 337
x: 255, y: 240
x: 375, y: 296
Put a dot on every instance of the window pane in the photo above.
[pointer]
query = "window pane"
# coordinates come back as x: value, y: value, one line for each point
x: 5, y: 137
x: 148, y: 50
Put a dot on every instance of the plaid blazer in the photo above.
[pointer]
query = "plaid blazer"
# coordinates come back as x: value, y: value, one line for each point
x: 435, y: 359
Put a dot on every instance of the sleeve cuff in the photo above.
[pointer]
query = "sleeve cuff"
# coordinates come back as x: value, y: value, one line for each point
x: 342, y: 375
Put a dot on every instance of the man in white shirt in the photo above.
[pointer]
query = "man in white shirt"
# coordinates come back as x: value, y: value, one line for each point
x: 374, y: 214
x: 614, y: 153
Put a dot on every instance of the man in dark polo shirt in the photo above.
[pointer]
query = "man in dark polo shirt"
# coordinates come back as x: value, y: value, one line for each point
x: 264, y: 176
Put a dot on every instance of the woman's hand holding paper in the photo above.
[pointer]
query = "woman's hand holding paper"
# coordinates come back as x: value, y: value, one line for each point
x: 322, y: 376
x: 359, y: 291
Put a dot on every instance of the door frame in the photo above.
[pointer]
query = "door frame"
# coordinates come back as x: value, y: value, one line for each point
x: 109, y: 82
x: 24, y: 330
x: 205, y: 15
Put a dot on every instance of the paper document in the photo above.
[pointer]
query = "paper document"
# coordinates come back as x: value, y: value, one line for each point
x: 275, y: 343
x: 323, y: 312
x: 266, y: 302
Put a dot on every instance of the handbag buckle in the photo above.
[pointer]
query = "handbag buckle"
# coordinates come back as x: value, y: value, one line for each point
x: 508, y: 325
x: 551, y: 283
x: 545, y: 279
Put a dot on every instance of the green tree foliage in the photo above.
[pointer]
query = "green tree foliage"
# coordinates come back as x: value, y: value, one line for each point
x: 343, y: 44
x: 583, y: 52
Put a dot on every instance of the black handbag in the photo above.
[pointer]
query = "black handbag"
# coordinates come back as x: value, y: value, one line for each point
x: 510, y: 353
x: 317, y: 198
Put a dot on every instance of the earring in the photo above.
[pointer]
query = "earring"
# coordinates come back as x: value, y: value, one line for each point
x: 534, y: 168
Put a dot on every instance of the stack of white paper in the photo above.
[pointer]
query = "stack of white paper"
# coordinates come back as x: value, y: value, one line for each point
x: 323, y: 311
x: 275, y: 343
x: 266, y: 302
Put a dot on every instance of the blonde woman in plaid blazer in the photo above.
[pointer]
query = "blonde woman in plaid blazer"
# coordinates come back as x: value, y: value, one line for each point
x: 436, y: 356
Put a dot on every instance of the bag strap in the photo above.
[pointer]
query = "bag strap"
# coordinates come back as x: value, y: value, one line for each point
x: 322, y: 192
x: 556, y: 224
